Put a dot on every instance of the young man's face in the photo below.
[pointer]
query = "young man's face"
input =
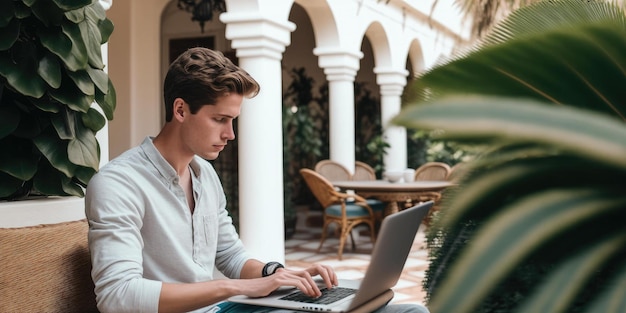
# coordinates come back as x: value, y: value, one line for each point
x: 207, y: 132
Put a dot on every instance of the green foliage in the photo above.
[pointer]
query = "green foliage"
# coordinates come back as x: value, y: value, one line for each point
x: 370, y: 144
x: 302, y: 139
x: 51, y: 72
x: 423, y: 148
x: 537, y: 223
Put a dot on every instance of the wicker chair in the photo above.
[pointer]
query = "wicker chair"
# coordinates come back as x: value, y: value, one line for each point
x: 333, y: 171
x: 46, y: 268
x: 362, y: 171
x: 338, y: 209
x: 432, y: 171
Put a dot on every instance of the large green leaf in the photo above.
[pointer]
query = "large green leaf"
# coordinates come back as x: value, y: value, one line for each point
x: 79, y: 48
x: 9, y: 184
x: 91, y: 34
x: 107, y: 101
x: 513, y: 120
x: 9, y: 34
x: 50, y: 70
x: 532, y: 20
x: 83, y: 150
x: 82, y: 81
x: 48, y: 13
x: 583, y: 66
x: 64, y: 123
x: 19, y: 161
x: 509, y: 237
x: 9, y: 119
x: 612, y: 300
x: 84, y: 174
x: 45, y: 104
x: 76, y: 16
x: 99, y: 78
x: 561, y: 287
x: 553, y: 171
x: 50, y: 181
x: 93, y: 120
x: 22, y: 77
x: 61, y: 45
x: 68, y: 5
x: 55, y: 151
x: 6, y: 12
x: 106, y: 29
x: 70, y: 95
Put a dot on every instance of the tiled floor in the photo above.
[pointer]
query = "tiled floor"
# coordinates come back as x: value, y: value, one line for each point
x: 301, y: 251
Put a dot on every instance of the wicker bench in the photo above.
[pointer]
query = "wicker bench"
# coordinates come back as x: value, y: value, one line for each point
x: 46, y: 268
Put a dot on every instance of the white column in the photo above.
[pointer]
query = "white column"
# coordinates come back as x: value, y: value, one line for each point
x: 392, y: 84
x: 260, y: 43
x: 103, y: 135
x: 340, y: 67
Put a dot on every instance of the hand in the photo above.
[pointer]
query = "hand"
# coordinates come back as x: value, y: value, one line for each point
x: 301, y: 279
x: 326, y: 272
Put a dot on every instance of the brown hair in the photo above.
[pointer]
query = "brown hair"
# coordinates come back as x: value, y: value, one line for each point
x: 200, y: 76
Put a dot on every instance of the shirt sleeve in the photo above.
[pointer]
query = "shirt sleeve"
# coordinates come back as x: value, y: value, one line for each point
x: 115, y: 243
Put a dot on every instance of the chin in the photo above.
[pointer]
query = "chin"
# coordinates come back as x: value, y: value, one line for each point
x: 209, y: 155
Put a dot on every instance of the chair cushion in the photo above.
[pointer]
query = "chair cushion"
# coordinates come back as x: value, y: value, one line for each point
x: 352, y: 210
x: 376, y: 205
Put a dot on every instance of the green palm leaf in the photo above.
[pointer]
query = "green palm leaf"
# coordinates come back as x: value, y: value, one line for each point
x: 532, y: 20
x: 549, y: 64
x: 561, y: 288
x: 613, y: 300
x: 545, y: 94
x: 517, y: 120
x: 512, y: 235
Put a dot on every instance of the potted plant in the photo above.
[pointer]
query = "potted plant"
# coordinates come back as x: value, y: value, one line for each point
x: 537, y: 221
x: 51, y: 75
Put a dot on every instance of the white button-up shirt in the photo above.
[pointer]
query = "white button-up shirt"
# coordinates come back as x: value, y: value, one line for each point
x: 142, y: 231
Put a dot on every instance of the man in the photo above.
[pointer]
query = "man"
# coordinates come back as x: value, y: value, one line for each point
x: 157, y: 213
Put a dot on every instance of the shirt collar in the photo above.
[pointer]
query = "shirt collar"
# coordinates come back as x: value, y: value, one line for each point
x: 162, y: 166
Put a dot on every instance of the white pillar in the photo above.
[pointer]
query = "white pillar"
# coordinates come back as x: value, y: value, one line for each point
x: 392, y: 84
x: 340, y: 67
x: 260, y: 43
x: 103, y: 134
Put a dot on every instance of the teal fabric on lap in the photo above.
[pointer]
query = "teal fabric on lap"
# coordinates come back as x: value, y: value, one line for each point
x: 352, y: 210
x: 228, y: 307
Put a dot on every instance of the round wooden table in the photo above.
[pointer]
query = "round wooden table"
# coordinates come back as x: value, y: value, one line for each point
x: 395, y: 193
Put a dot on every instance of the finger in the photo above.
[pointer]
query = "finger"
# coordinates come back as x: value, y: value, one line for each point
x: 328, y: 275
x: 301, y: 280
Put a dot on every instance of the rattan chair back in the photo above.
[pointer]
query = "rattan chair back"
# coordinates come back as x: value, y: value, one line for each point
x: 332, y: 170
x: 362, y: 171
x: 432, y: 171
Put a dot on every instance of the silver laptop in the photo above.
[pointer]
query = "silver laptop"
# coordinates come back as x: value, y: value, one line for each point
x: 390, y: 252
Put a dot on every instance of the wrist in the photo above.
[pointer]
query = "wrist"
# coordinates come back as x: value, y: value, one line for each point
x: 270, y: 268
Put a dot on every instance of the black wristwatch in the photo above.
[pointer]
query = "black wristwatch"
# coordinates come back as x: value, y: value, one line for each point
x: 270, y: 268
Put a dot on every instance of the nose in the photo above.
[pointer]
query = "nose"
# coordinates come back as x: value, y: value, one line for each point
x: 229, y: 132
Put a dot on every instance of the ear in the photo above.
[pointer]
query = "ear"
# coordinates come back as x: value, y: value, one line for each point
x: 178, y: 109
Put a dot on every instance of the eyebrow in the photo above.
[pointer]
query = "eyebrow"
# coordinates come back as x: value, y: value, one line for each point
x: 225, y: 115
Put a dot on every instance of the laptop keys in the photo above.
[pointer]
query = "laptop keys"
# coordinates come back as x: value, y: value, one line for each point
x: 328, y: 295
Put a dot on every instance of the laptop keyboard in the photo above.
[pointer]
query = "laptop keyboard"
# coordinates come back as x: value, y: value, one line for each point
x: 328, y: 295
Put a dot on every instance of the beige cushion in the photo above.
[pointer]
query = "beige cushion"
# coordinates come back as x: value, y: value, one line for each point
x: 46, y: 268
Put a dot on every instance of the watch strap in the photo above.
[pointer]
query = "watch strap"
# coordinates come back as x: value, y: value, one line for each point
x: 270, y: 268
